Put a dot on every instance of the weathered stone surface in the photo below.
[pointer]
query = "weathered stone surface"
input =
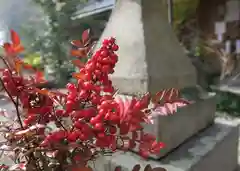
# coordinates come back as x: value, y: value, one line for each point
x: 175, y: 129
x: 150, y: 56
x: 215, y: 149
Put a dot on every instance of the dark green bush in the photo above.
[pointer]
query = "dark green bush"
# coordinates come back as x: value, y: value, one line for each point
x: 228, y: 102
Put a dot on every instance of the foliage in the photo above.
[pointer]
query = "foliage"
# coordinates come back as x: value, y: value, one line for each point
x: 183, y: 10
x: 54, y: 43
x: 228, y: 102
x: 52, y: 130
x: 34, y: 60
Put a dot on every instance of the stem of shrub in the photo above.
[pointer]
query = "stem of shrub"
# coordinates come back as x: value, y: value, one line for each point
x: 15, y: 104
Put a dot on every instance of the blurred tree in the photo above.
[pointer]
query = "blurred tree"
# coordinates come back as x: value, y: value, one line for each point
x: 185, y: 23
x: 54, y: 43
x: 19, y: 15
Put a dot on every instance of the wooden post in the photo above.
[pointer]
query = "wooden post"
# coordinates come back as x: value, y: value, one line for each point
x: 170, y: 11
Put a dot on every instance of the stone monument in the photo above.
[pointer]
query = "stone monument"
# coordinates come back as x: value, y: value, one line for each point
x: 151, y: 59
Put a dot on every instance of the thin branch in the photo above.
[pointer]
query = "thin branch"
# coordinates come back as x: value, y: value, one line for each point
x: 58, y: 120
x: 14, y: 102
x: 18, y: 113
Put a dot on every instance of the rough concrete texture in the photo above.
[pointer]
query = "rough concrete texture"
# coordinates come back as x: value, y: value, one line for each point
x: 150, y: 56
x: 214, y: 149
x: 175, y: 129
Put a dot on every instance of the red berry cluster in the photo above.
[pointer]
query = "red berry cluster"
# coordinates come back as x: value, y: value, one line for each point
x: 95, y: 113
x: 96, y: 80
x: 97, y: 119
x: 89, y: 118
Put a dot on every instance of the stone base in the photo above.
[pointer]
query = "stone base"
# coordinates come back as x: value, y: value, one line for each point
x: 174, y: 129
x: 215, y: 149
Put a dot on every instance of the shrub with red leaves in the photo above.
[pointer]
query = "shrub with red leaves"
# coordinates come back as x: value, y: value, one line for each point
x: 60, y: 131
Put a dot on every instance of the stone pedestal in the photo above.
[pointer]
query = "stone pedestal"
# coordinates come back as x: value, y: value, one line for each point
x: 150, y: 56
x: 173, y: 130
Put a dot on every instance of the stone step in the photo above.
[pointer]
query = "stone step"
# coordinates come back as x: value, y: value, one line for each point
x: 214, y: 149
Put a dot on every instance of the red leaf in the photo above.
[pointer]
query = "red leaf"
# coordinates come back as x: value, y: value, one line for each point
x: 78, y: 76
x: 44, y: 92
x: 27, y: 66
x: 77, y: 43
x: 21, y: 166
x: 58, y: 93
x: 81, y: 52
x: 156, y: 147
x: 78, y: 63
x: 15, y: 38
x: 85, y: 36
x: 166, y: 95
x: 18, y: 49
x: 7, y: 47
x: 18, y: 65
x: 39, y: 76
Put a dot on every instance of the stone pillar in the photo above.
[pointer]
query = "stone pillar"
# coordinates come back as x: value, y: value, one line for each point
x: 151, y: 59
x: 150, y: 56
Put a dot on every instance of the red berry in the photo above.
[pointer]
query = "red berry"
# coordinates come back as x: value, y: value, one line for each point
x: 115, y: 47
x: 95, y: 120
x: 71, y: 86
x: 106, y: 68
x: 71, y: 96
x: 115, y: 119
x: 69, y: 105
x: 101, y: 135
x: 88, y: 76
x: 112, y: 40
x: 6, y: 72
x: 73, y: 136
x: 83, y: 137
x: 5, y: 78
x: 78, y: 125
x: 59, y: 113
x: 97, y: 73
x: 108, y: 89
x: 99, y: 126
x: 99, y: 66
x: 88, y: 85
x: 83, y: 94
x: 104, y: 53
x: 114, y: 58
x: 112, y: 130
x: 105, y: 42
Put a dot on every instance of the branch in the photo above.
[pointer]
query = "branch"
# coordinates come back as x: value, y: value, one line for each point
x: 14, y: 102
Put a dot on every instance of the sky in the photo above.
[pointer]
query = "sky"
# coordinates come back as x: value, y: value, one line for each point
x: 14, y: 14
